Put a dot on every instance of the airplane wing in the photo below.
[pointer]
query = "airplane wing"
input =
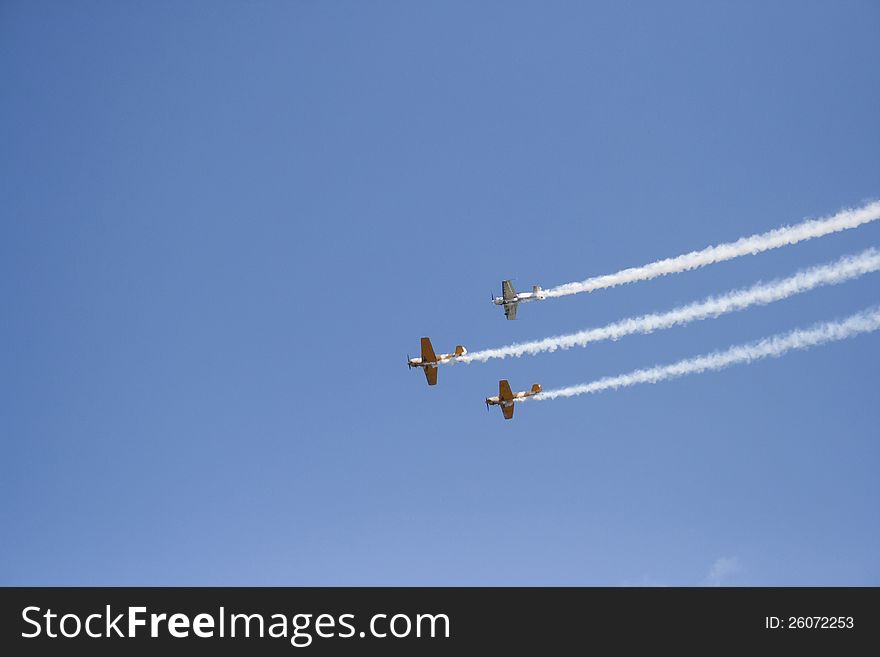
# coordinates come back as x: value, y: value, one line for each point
x: 510, y: 310
x: 508, y: 412
x: 431, y: 375
x: 428, y: 355
x: 507, y: 291
x: 504, y: 391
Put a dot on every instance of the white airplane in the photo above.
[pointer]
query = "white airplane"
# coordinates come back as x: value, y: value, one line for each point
x: 510, y: 298
x: 429, y: 360
x: 506, y: 397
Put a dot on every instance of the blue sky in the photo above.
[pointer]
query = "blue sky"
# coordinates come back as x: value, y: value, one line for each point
x: 224, y: 226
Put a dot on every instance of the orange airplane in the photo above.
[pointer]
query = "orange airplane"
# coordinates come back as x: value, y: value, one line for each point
x: 506, y: 397
x: 429, y: 360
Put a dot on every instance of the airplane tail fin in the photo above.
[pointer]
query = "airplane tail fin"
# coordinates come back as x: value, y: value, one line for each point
x: 536, y: 388
x: 537, y: 290
x: 459, y: 350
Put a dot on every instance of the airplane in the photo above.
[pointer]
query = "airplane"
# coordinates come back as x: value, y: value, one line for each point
x: 510, y: 298
x: 506, y: 397
x: 429, y: 360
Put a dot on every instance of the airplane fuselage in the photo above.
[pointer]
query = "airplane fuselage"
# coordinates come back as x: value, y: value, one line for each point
x: 417, y: 362
x: 521, y: 297
x: 497, y: 401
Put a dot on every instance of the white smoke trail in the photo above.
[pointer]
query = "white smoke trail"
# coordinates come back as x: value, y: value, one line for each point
x: 844, y: 269
x: 773, y: 239
x: 862, y: 322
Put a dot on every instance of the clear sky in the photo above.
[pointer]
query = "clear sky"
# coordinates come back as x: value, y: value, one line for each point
x: 223, y: 226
